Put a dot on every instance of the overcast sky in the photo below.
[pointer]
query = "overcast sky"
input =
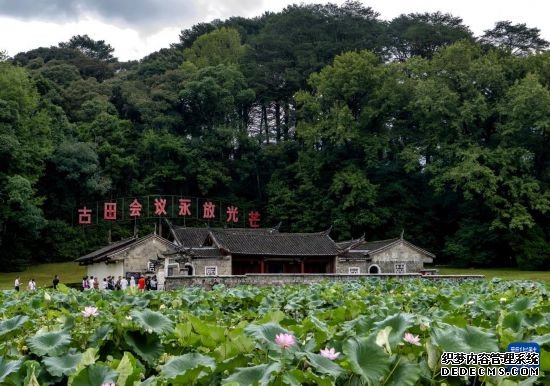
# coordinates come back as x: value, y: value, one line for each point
x: 136, y: 28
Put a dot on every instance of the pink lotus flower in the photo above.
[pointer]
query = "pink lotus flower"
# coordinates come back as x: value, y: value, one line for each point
x: 89, y: 311
x: 412, y: 339
x: 285, y: 340
x: 330, y: 354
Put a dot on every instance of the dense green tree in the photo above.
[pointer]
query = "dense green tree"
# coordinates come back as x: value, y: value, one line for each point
x: 163, y: 161
x: 517, y: 39
x: 159, y: 62
x: 59, y: 72
x: 343, y: 93
x: 38, y: 56
x: 422, y: 34
x: 221, y: 46
x: 25, y: 143
x: 77, y: 171
x: 302, y: 39
x: 79, y: 93
x: 87, y: 66
x: 95, y: 49
x: 216, y: 95
x: 317, y: 115
x: 293, y: 44
x: 114, y: 146
x: 4, y: 56
x: 188, y: 36
x: 526, y: 123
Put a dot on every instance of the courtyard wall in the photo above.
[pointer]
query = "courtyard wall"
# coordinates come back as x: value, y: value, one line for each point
x: 266, y: 280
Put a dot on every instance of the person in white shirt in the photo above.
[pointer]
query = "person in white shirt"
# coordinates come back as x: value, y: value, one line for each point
x: 32, y: 285
x: 132, y: 282
x: 91, y: 283
x: 153, y: 283
x: 123, y: 283
x: 16, y: 284
x: 104, y: 284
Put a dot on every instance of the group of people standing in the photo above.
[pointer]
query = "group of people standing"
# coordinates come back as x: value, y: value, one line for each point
x: 32, y: 283
x: 31, y: 286
x: 110, y: 283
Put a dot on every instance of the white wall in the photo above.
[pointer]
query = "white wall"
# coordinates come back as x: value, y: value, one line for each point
x: 399, y: 253
x: 102, y: 270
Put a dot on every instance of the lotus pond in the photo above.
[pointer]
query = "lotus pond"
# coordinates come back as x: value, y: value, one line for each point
x: 375, y: 332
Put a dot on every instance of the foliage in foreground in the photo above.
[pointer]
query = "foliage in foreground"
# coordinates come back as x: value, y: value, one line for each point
x: 228, y: 336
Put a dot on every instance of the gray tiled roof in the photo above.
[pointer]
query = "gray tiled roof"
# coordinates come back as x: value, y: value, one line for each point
x: 275, y: 244
x: 190, y: 237
x: 205, y: 252
x: 195, y: 237
x: 373, y: 245
x: 345, y: 244
x: 105, y: 251
x: 369, y: 247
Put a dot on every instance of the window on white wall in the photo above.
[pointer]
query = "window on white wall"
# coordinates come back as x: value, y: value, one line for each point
x: 400, y: 268
x: 354, y: 270
x: 211, y: 270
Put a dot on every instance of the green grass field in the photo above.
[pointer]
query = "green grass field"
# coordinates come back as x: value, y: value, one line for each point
x: 503, y: 273
x: 73, y: 273
x: 43, y: 275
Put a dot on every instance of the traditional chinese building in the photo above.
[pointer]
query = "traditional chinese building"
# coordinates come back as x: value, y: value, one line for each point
x: 129, y: 257
x: 384, y: 256
x: 238, y: 251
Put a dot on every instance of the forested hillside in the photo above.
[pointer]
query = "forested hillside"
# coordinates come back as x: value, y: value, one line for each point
x: 321, y: 115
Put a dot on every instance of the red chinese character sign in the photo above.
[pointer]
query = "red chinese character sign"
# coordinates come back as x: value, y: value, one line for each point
x: 185, y: 205
x: 145, y: 207
x: 135, y: 208
x: 232, y: 214
x: 84, y: 216
x: 208, y: 210
x: 160, y: 207
x: 254, y: 219
x: 109, y: 211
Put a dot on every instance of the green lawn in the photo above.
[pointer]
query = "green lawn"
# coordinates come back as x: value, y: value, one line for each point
x: 503, y: 273
x: 43, y: 275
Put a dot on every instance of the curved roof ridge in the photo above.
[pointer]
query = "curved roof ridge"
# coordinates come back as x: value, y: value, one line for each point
x: 379, y: 241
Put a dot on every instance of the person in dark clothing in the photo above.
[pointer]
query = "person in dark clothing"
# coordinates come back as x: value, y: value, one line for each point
x: 55, y: 282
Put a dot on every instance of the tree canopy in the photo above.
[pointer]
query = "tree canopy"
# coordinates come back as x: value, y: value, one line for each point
x: 320, y: 115
x: 517, y: 39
